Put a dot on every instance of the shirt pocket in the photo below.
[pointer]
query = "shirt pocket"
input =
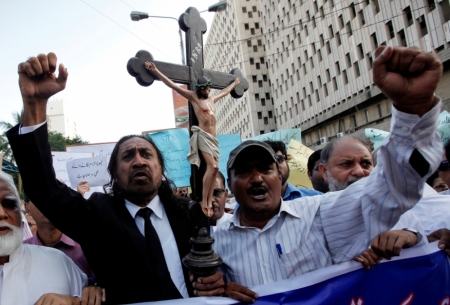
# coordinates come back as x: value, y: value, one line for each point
x: 299, y: 261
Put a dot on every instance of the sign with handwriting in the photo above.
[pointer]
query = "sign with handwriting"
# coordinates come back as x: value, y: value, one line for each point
x: 376, y: 136
x: 60, y: 158
x: 93, y: 170
x: 285, y: 136
x: 174, y: 145
x: 444, y: 126
x: 298, y: 155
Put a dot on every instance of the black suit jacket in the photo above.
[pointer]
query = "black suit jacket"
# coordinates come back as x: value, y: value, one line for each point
x: 102, y: 225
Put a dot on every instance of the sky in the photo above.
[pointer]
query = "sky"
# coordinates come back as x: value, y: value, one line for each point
x: 95, y: 39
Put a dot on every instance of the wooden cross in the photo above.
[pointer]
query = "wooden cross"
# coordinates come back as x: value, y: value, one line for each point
x: 194, y: 26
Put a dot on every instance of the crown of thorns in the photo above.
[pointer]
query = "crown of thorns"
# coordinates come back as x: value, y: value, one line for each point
x: 203, y: 82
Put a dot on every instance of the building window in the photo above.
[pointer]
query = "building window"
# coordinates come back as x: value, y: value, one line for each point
x: 260, y: 83
x: 249, y: 43
x: 361, y: 17
x: 259, y: 42
x: 256, y: 97
x: 344, y: 74
x: 250, y: 15
x: 374, y: 41
x: 407, y: 14
x: 256, y: 25
x: 402, y: 38
x: 423, y: 26
x: 356, y: 68
x: 270, y: 114
x: 246, y: 26
x: 266, y: 120
x: 244, y: 9
x: 254, y: 9
x: 259, y: 115
x: 390, y: 30
x: 252, y: 61
x: 263, y: 102
x: 257, y: 66
x: 265, y: 77
x: 376, y: 6
x: 252, y: 31
x: 254, y: 78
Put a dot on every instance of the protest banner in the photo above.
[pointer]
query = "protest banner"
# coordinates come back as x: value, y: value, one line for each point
x: 174, y: 145
x: 60, y: 158
x: 93, y: 170
x: 284, y: 136
x: 298, y: 155
x: 419, y: 276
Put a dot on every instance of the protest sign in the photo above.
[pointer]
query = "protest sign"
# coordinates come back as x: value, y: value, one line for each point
x: 93, y: 170
x: 444, y: 126
x: 376, y: 136
x: 298, y: 160
x: 98, y: 150
x: 174, y: 145
x: 284, y: 136
x: 418, y: 276
x: 60, y: 158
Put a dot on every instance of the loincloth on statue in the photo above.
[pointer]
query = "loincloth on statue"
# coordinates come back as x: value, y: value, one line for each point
x: 201, y: 140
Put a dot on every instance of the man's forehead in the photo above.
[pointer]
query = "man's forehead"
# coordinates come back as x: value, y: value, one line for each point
x: 350, y: 148
x: 6, y: 192
x: 135, y: 143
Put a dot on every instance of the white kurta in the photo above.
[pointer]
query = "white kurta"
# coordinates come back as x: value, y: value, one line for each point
x: 35, y: 270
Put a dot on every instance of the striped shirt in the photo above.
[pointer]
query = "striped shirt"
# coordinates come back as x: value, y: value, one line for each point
x: 310, y: 233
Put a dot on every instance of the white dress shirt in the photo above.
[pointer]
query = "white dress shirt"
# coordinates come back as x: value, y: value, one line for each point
x: 219, y: 221
x: 432, y: 211
x: 168, y: 243
x: 310, y: 233
x: 35, y: 270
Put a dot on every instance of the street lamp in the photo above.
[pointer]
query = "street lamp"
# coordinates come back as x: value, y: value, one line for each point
x: 218, y: 7
x: 136, y: 16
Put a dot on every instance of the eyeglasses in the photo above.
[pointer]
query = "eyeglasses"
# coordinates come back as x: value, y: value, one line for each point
x: 445, y: 166
x: 218, y: 192
x: 280, y: 158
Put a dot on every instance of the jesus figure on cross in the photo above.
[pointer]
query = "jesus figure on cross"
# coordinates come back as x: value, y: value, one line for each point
x: 204, y: 135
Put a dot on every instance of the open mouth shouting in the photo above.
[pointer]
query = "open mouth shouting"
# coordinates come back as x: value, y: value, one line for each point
x: 258, y: 193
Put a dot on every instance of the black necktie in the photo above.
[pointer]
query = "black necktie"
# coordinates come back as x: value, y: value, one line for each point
x: 167, y: 289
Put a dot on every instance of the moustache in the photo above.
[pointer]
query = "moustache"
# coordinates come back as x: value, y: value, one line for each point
x: 7, y: 225
x: 250, y: 190
x: 139, y: 172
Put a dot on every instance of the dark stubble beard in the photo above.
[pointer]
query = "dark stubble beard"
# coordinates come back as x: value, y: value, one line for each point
x: 136, y: 192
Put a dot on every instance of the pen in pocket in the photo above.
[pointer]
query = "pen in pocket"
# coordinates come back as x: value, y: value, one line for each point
x: 279, y: 250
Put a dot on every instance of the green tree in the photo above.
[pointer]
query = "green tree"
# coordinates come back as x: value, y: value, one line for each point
x: 5, y: 149
x: 58, y: 142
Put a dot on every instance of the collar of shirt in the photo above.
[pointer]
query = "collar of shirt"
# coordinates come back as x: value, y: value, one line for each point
x: 156, y: 206
x: 35, y: 240
x: 293, y: 192
x: 285, y: 207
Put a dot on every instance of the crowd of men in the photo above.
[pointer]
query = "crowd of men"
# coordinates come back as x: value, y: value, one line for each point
x: 126, y: 245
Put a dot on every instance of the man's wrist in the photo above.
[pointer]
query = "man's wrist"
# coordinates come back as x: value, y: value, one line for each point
x: 416, y: 233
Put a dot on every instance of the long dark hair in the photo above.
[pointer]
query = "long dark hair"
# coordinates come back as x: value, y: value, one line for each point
x: 112, y: 187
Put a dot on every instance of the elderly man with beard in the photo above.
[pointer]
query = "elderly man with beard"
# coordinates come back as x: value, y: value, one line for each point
x: 220, y: 198
x: 344, y: 161
x: 31, y: 274
x: 281, y: 239
x: 135, y: 235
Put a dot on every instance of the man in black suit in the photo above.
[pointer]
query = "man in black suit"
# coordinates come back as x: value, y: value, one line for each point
x: 135, y: 256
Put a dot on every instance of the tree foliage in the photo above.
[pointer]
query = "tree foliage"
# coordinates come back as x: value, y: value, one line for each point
x: 58, y: 141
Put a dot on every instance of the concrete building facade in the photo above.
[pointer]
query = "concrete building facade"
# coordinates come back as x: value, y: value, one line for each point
x: 58, y: 119
x: 319, y: 56
x: 230, y: 45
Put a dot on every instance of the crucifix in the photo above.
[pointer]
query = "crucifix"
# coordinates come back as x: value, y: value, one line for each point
x: 194, y: 26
